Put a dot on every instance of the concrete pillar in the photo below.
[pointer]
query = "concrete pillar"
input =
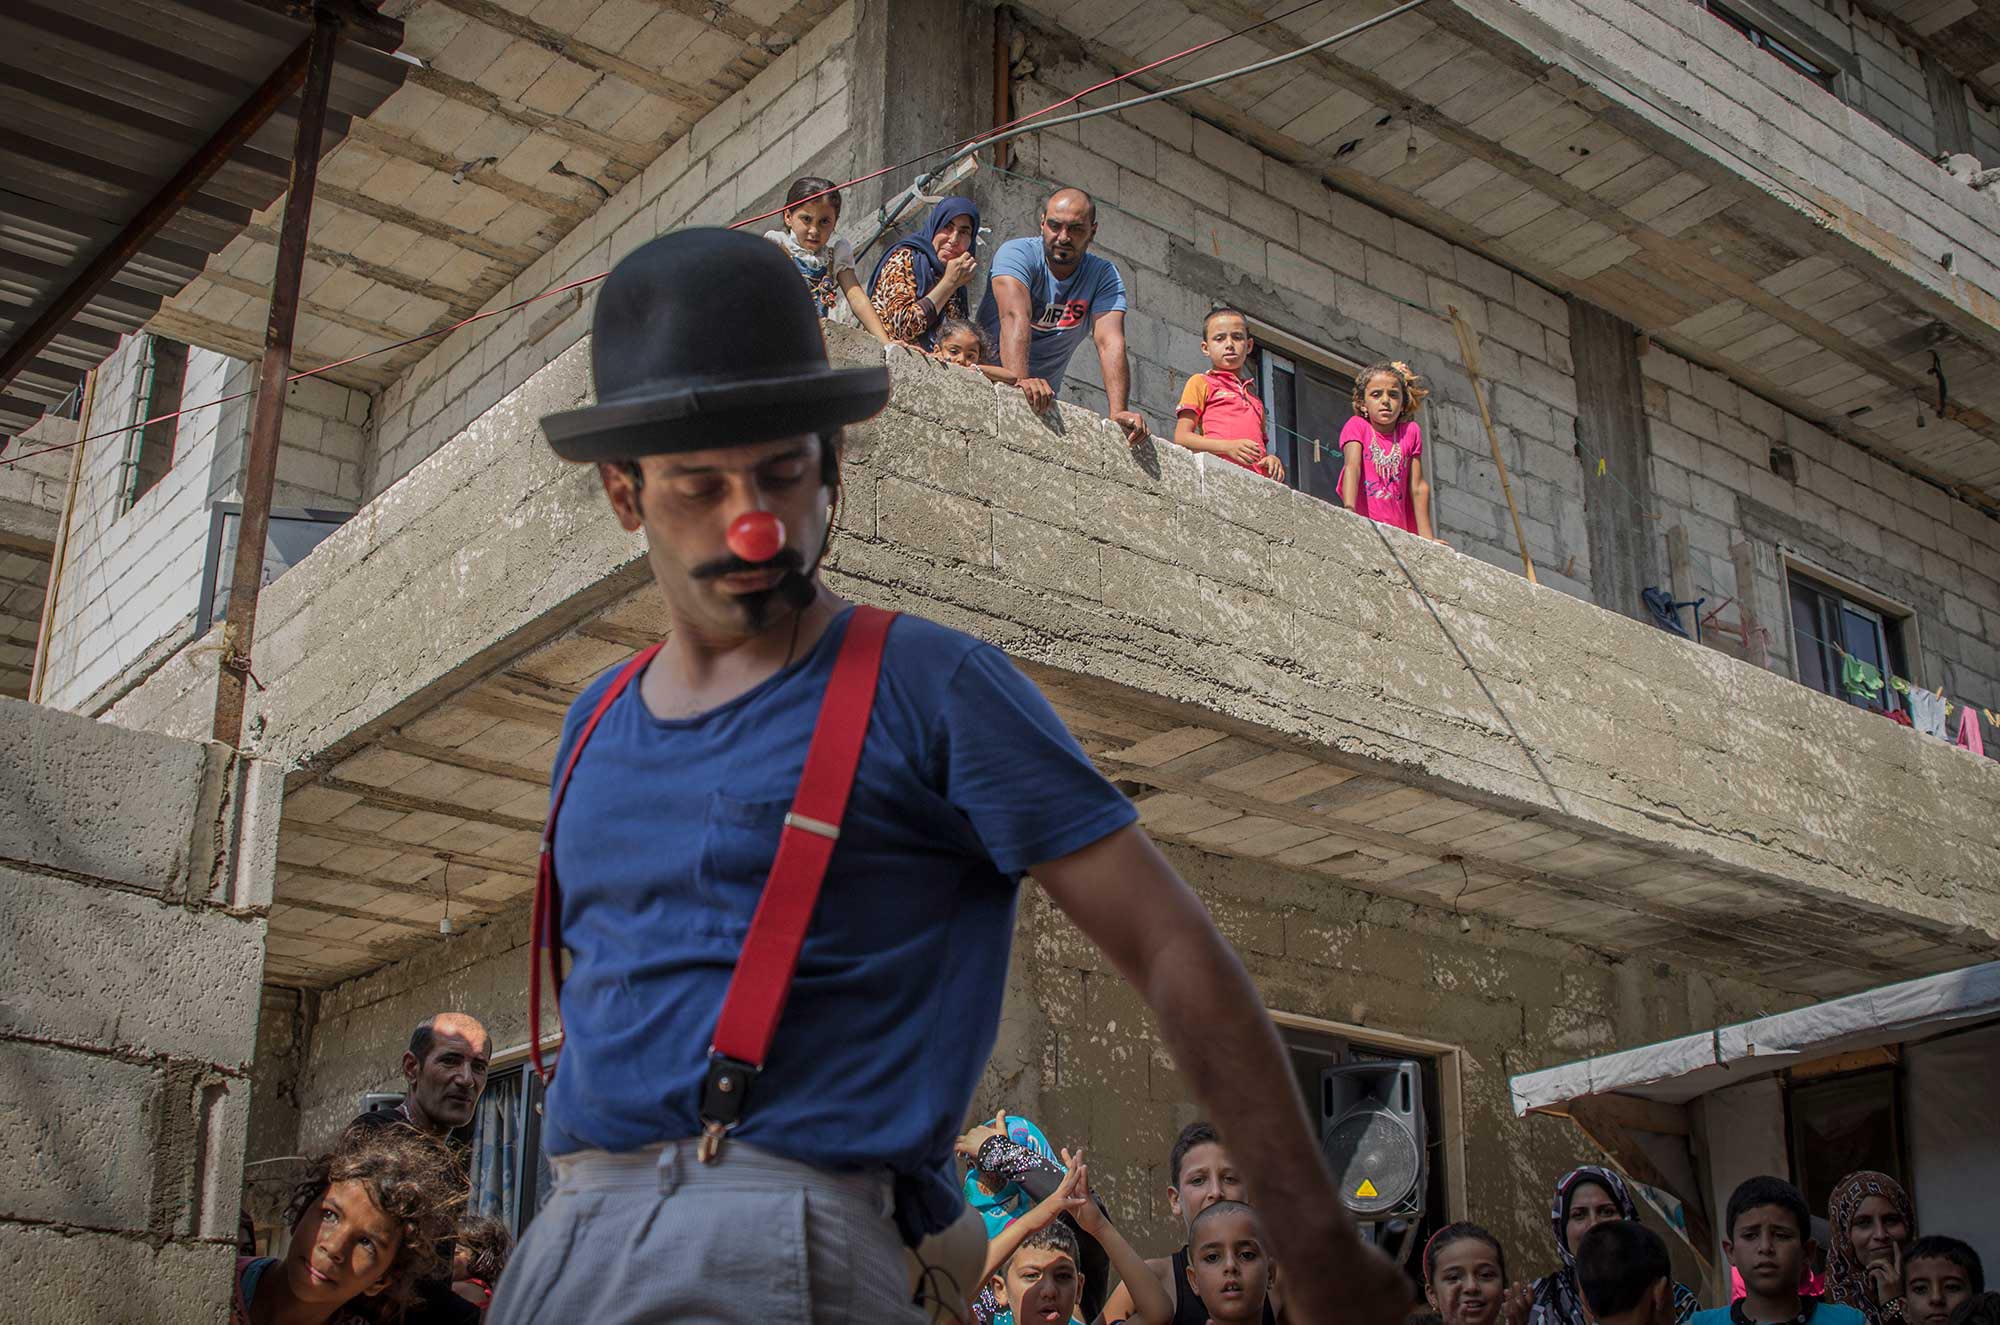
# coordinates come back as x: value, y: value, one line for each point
x: 923, y: 77
x: 132, y: 901
x: 1611, y: 424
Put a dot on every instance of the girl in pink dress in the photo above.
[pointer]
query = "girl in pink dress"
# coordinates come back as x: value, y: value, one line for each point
x: 1382, y: 476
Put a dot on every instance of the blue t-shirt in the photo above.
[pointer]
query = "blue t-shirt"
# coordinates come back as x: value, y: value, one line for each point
x: 1825, y: 1313
x: 669, y: 828
x: 1061, y: 311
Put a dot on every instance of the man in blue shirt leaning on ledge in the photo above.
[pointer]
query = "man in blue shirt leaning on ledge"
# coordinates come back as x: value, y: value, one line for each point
x: 783, y: 1181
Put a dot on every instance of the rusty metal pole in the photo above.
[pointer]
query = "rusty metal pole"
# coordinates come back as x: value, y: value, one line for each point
x: 260, y: 467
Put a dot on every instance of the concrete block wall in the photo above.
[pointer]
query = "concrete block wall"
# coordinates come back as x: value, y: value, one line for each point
x: 1885, y: 79
x: 1080, y: 1053
x: 138, y: 871
x: 1193, y: 217
x: 131, y: 581
x: 131, y: 578
x: 1848, y: 513
x: 792, y: 119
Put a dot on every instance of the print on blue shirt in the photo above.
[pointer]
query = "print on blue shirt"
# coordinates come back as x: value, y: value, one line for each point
x: 1060, y: 311
x: 967, y: 778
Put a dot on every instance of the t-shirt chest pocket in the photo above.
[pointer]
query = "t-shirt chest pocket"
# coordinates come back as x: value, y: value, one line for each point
x: 739, y: 840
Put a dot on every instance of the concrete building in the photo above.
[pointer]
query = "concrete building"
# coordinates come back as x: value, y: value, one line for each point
x: 1740, y: 336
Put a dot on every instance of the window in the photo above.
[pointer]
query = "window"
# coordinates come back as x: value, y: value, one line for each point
x: 292, y: 533
x: 1842, y: 1123
x: 1308, y: 394
x: 1788, y: 51
x: 510, y: 1170
x: 1830, y: 625
x: 1315, y: 1046
x: 149, y: 451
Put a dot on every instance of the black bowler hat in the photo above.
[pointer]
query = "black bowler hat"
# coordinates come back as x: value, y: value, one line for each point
x: 706, y: 338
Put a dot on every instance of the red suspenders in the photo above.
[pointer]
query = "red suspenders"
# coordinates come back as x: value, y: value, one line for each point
x: 756, y: 996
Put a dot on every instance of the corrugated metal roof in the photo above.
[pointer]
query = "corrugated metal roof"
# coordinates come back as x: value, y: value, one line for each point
x: 103, y: 101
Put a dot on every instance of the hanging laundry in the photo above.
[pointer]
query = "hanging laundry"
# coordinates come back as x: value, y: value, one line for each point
x: 1859, y: 678
x: 1968, y: 732
x: 1897, y: 716
x: 1927, y: 712
x: 1902, y: 686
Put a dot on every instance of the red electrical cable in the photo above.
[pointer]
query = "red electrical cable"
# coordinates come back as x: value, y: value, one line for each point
x: 750, y: 220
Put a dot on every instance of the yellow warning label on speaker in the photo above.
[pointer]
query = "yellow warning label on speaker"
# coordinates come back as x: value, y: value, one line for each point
x: 1366, y: 1190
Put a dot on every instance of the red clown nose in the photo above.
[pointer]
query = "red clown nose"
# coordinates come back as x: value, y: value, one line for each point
x: 756, y: 535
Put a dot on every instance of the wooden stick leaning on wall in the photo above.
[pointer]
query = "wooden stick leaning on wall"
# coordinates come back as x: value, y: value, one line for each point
x: 1469, y: 350
x: 45, y: 631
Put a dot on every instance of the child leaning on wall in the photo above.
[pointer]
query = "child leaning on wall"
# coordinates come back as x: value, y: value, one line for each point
x: 1383, y: 473
x: 825, y: 263
x: 1220, y: 411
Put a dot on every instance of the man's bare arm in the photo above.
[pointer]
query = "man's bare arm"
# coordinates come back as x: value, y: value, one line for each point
x: 1016, y: 315
x: 1108, y: 331
x: 1125, y: 897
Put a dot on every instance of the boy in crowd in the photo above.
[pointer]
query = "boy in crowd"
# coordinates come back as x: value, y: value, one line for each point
x: 1034, y: 1261
x: 1938, y: 1274
x: 1228, y: 1273
x: 1200, y: 1174
x: 1768, y: 1239
x: 1625, y: 1275
x: 1984, y: 1309
x: 1220, y: 411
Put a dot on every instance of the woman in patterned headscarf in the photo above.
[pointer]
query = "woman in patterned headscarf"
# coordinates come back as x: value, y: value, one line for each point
x: 1586, y: 1197
x: 1872, y: 1222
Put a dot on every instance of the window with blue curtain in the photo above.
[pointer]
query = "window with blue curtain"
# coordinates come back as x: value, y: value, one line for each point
x: 510, y: 1171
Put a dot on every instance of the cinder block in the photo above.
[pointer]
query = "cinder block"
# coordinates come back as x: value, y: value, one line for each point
x: 76, y: 1139
x: 48, y: 1277
x: 96, y: 800
x: 88, y: 966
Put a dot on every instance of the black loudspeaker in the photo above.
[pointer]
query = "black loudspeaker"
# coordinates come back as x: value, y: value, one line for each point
x: 1371, y: 1128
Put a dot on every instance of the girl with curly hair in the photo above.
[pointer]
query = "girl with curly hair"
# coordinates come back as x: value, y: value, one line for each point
x: 1382, y: 473
x: 366, y: 1222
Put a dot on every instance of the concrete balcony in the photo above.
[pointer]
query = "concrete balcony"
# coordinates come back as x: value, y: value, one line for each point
x: 1270, y: 678
x: 1648, y: 158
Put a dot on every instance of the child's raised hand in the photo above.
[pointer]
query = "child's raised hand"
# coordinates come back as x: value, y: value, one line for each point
x: 969, y: 1144
x: 1082, y: 1206
x: 1063, y: 1199
x: 1516, y: 1304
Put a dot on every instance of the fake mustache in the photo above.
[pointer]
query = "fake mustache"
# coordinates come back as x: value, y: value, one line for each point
x: 788, y: 559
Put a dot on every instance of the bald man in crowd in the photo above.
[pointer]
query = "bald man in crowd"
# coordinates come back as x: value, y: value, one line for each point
x: 445, y: 1068
x: 445, y: 1071
x: 1046, y: 295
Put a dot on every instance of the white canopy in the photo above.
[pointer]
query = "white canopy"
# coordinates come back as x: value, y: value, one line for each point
x: 1676, y: 1071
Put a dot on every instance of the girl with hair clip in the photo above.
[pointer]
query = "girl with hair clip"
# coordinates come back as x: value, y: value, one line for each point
x: 1382, y: 474
x: 826, y: 263
x: 1465, y: 1278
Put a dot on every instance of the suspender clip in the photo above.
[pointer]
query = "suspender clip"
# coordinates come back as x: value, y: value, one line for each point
x: 722, y: 1096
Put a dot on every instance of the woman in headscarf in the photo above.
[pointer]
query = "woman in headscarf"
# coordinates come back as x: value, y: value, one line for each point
x: 921, y: 280
x: 1872, y: 1223
x: 1585, y: 1198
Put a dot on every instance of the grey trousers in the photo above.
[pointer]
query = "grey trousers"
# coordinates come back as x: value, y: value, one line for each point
x: 657, y: 1236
